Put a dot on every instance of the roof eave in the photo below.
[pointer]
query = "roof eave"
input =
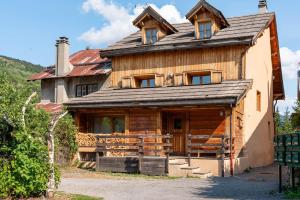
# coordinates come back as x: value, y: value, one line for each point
x: 178, y: 46
x: 199, y: 102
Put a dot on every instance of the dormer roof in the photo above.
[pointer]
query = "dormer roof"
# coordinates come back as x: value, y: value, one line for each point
x: 149, y: 11
x: 210, y: 8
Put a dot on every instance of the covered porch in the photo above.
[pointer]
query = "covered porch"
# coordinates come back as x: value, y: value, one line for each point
x: 184, y: 130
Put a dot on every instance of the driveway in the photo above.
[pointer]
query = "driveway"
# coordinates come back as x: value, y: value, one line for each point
x: 259, y: 184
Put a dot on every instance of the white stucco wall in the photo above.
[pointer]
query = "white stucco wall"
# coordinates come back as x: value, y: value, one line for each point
x: 259, y: 125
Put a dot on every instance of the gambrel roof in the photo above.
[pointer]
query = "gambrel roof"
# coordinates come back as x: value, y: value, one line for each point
x: 228, y: 92
x: 242, y: 31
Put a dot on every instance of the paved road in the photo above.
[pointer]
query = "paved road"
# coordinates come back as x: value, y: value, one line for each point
x: 177, y: 189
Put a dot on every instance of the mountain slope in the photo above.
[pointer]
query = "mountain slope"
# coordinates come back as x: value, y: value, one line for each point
x: 17, y: 70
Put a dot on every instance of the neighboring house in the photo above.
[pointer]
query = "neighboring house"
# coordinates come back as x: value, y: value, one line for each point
x: 82, y: 73
x: 209, y: 83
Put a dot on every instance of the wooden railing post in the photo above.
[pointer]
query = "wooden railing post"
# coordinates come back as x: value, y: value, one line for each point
x: 97, y: 154
x: 189, y: 144
x: 223, y: 157
x: 141, y: 152
x: 167, y: 152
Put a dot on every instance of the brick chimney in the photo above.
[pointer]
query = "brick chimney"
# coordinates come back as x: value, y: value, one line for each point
x: 263, y: 6
x: 63, y: 65
x: 62, y: 68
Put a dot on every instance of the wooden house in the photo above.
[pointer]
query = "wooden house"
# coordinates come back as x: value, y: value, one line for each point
x: 193, y: 99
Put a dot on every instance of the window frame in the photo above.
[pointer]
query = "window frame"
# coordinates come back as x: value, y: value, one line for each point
x: 84, y: 89
x: 153, y: 34
x: 206, y: 33
x: 91, y: 121
x: 258, y: 101
x: 148, y: 78
x: 201, y: 77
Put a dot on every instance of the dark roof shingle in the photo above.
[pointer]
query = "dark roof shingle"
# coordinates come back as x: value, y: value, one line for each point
x: 242, y: 30
x: 228, y: 92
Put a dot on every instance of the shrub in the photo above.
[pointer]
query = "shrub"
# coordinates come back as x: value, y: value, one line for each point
x: 65, y: 140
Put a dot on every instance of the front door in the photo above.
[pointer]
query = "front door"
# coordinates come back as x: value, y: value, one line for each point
x: 177, y: 128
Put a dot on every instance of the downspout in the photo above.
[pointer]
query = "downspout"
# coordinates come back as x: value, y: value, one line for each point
x: 230, y: 144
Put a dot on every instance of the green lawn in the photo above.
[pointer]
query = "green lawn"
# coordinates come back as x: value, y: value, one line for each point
x: 64, y: 196
x: 292, y: 194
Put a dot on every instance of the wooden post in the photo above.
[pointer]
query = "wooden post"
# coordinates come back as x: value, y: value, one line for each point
x: 97, y: 160
x: 168, y: 153
x: 189, y: 149
x: 141, y: 152
x: 223, y: 156
x: 293, y: 177
x: 280, y: 178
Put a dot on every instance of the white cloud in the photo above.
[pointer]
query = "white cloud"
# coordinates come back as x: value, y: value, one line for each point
x: 119, y: 20
x: 290, y: 62
x: 288, y: 103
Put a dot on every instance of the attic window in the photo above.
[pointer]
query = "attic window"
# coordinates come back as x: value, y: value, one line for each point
x: 151, y: 36
x: 205, y: 30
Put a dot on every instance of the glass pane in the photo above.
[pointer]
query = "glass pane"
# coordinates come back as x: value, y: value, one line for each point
x: 84, y: 90
x: 90, y: 89
x: 206, y: 79
x: 95, y: 88
x: 177, y: 123
x: 201, y: 27
x: 201, y: 35
x: 78, y: 91
x: 144, y: 83
x: 97, y: 125
x: 208, y: 30
x: 106, y: 125
x: 151, y: 82
x: 196, y: 80
x: 119, y: 125
x: 154, y: 36
x: 148, y: 36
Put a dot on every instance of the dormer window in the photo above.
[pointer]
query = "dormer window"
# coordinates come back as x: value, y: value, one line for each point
x: 147, y: 83
x: 205, y: 30
x: 151, y: 36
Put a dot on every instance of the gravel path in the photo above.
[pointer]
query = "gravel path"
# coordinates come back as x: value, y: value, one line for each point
x: 241, y: 188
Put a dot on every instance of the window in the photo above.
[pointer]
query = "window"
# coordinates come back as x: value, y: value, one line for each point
x: 200, y: 80
x: 205, y: 30
x: 177, y: 123
x: 108, y: 125
x: 258, y: 101
x: 83, y: 90
x: 147, y: 83
x: 151, y: 36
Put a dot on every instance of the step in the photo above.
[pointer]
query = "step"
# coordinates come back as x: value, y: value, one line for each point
x: 189, y: 168
x: 201, y: 174
x: 177, y: 163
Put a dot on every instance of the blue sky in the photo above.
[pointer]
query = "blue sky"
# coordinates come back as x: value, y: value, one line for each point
x: 29, y: 28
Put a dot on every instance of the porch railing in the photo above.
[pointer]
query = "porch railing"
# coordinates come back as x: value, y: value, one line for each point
x: 136, y: 145
x: 223, y: 147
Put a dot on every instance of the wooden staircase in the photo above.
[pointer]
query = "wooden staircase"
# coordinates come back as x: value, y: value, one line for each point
x: 178, y: 167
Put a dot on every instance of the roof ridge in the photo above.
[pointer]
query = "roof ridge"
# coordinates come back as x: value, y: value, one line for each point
x: 230, y: 18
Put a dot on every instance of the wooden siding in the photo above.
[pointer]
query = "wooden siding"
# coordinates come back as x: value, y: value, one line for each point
x: 238, y: 121
x: 226, y: 60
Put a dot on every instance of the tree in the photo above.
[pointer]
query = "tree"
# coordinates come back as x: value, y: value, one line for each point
x: 24, y: 167
x: 278, y: 122
x: 296, y: 115
x: 287, y: 127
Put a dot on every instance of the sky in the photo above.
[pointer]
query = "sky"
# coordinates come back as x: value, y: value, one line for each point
x: 29, y: 28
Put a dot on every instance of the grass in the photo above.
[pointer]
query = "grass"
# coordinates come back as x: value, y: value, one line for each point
x: 290, y: 193
x: 64, y: 196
